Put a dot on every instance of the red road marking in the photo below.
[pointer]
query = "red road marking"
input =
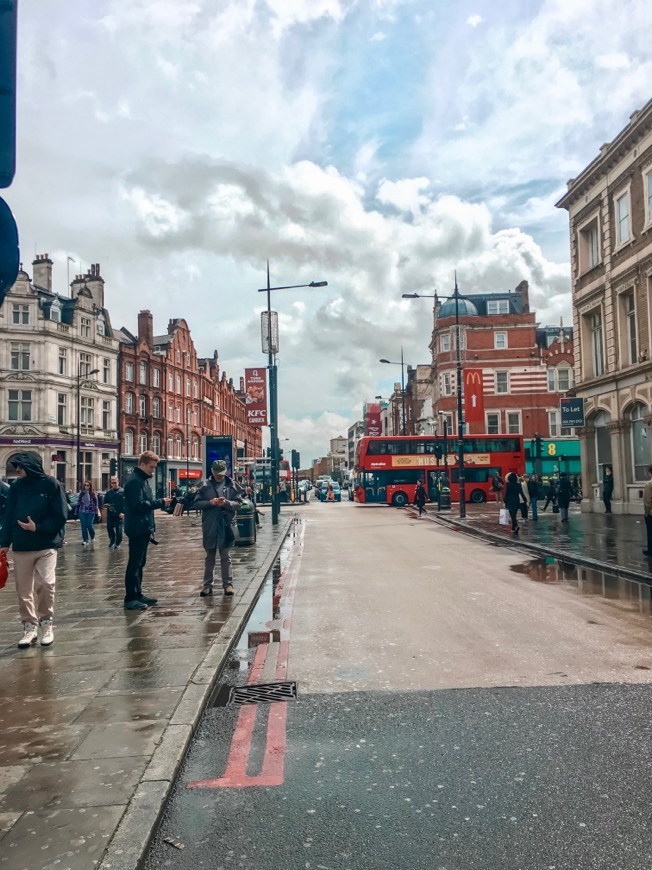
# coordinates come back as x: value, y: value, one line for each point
x: 273, y: 768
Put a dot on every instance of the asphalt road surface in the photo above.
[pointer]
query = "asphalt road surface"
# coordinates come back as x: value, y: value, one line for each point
x: 453, y: 712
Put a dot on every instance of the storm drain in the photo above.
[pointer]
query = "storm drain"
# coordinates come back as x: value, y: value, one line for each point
x: 263, y: 693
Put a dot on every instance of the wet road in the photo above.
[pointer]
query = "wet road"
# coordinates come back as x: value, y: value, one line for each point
x: 458, y: 707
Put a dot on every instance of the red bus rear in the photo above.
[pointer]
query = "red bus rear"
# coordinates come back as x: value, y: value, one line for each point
x: 387, y: 468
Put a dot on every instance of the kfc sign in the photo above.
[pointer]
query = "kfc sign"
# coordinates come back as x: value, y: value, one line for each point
x: 256, y: 396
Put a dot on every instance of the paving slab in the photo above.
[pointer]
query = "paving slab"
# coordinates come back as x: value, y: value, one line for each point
x: 93, y: 729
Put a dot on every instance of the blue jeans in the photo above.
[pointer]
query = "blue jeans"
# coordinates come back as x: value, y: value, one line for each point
x: 534, y: 504
x: 86, y: 522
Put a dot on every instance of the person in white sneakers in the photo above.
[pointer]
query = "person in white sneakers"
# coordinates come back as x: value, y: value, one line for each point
x: 34, y: 527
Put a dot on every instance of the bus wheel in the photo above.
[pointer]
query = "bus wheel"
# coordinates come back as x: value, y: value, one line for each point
x: 478, y: 497
x: 399, y: 499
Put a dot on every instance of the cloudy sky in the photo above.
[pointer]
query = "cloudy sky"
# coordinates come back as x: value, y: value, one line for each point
x: 375, y: 144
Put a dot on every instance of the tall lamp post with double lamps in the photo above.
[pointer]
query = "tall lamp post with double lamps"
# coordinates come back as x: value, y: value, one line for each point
x: 460, y: 404
x: 390, y: 363
x: 270, y: 345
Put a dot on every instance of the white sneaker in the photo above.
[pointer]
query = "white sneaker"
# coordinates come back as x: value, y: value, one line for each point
x: 47, y: 634
x: 30, y: 636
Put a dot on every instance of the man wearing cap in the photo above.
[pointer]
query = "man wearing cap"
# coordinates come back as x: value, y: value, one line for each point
x: 218, y: 500
x: 34, y: 527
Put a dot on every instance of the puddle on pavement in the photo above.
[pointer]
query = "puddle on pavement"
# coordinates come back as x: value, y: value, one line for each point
x: 628, y: 594
x: 259, y: 628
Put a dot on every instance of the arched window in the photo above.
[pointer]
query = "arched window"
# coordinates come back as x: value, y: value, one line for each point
x: 177, y: 445
x: 129, y: 442
x: 641, y: 454
x: 129, y: 403
x: 142, y: 442
x: 195, y: 449
x: 156, y: 443
x: 156, y: 407
x: 142, y: 406
x: 602, y: 441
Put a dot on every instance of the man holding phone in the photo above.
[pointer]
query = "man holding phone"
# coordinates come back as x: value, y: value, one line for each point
x: 218, y: 500
x: 139, y: 507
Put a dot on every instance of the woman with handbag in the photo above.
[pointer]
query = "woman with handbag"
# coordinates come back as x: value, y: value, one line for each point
x: 87, y: 509
x: 512, y: 499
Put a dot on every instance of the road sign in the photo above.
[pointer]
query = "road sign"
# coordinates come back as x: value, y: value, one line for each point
x: 572, y: 412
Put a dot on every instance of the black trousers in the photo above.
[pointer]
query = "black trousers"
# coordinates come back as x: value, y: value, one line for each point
x: 114, y: 529
x: 607, y: 503
x: 513, y: 513
x: 134, y: 574
x: 648, y: 526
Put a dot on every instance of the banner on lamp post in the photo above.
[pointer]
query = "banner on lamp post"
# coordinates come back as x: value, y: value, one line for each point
x: 256, y: 397
x: 473, y: 396
x: 372, y: 424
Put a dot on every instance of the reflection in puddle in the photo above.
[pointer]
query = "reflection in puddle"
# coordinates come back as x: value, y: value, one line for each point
x: 628, y: 594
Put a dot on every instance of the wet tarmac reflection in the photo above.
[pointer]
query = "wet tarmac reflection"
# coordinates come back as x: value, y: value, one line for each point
x: 629, y: 594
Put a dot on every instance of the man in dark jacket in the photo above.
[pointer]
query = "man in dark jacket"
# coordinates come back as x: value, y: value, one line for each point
x: 114, y: 502
x: 607, y: 489
x: 564, y: 495
x: 140, y: 505
x: 218, y: 500
x: 34, y: 526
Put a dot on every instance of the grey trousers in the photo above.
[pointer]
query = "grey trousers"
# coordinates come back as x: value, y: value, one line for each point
x: 225, y: 566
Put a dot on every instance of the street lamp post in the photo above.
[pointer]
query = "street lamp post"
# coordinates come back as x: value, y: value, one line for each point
x: 188, y: 449
x: 460, y: 405
x: 273, y: 389
x: 389, y: 362
x: 79, y: 380
x: 445, y: 422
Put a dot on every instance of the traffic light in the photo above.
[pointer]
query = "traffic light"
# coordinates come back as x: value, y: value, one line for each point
x: 268, y: 452
x: 439, y: 450
x: 8, y: 24
x: 113, y: 467
x: 296, y: 462
x: 9, y: 254
x: 280, y: 453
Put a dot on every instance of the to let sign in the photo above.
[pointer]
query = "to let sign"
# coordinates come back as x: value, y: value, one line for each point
x: 571, y: 412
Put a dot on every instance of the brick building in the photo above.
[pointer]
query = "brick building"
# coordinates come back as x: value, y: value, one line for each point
x: 169, y: 399
x: 514, y: 371
x: 609, y: 206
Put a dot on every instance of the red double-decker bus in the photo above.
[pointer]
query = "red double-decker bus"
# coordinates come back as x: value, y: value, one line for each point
x: 387, y: 468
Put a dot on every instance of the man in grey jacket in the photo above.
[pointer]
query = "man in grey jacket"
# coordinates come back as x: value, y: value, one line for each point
x: 218, y: 500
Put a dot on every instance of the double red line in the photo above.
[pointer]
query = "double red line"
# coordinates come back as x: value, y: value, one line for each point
x: 273, y: 767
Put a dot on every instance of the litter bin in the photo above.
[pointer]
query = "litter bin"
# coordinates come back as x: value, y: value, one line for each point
x: 444, y: 499
x: 246, y: 518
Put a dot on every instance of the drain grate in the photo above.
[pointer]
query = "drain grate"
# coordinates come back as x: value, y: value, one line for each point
x: 264, y: 693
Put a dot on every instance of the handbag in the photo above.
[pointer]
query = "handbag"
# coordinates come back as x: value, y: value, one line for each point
x: 555, y: 508
x: 4, y: 570
x: 503, y: 517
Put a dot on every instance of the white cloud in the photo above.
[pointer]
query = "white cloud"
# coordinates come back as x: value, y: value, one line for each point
x: 183, y: 144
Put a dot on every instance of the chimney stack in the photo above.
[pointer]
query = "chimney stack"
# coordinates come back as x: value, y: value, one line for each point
x: 146, y: 327
x: 42, y: 271
x: 524, y: 290
x: 95, y: 284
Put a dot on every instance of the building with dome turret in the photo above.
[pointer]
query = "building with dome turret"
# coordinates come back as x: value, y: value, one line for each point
x: 514, y: 371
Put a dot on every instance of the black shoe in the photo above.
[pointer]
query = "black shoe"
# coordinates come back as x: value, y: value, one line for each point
x: 135, y: 605
x: 228, y: 589
x: 206, y: 591
x: 150, y: 602
x: 516, y: 530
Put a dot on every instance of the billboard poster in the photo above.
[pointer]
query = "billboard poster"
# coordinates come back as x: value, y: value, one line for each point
x: 256, y: 396
x: 372, y: 425
x: 473, y: 396
x: 218, y: 447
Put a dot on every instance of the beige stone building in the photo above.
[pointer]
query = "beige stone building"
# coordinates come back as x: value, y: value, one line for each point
x: 610, y: 211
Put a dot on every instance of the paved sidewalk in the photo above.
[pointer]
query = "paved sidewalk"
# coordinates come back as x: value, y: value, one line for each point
x: 607, y: 542
x: 93, y: 729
